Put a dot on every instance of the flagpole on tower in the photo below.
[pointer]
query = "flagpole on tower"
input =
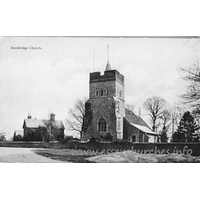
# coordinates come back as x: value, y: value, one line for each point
x: 108, y: 67
x: 108, y: 52
x: 94, y: 59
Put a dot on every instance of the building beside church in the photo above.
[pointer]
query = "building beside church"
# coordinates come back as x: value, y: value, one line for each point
x: 37, y: 129
x: 106, y: 117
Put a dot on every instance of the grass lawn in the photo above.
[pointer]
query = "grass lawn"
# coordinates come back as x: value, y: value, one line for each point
x: 67, y: 155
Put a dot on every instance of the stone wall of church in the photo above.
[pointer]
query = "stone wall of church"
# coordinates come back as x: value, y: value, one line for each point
x: 108, y: 85
x: 130, y: 131
x: 105, y: 108
x: 108, y: 105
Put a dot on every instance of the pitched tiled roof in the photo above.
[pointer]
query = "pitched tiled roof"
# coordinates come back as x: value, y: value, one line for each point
x: 33, y: 123
x: 57, y: 124
x: 133, y: 118
x: 36, y: 123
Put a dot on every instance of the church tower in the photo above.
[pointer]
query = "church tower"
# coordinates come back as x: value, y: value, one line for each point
x: 105, y: 108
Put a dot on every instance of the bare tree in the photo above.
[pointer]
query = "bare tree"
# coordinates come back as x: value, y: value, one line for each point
x: 192, y: 76
x: 165, y: 121
x: 177, y: 113
x: 156, y: 107
x: 77, y: 114
x: 166, y: 118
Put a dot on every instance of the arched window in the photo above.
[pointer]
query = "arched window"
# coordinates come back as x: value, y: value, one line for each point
x: 133, y: 139
x: 107, y: 92
x: 102, y: 125
x: 101, y: 92
x: 97, y: 93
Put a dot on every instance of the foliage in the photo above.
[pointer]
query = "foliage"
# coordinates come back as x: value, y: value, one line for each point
x: 163, y: 135
x: 67, y: 139
x: 75, y: 139
x: 121, y: 142
x: 106, y: 137
x: 33, y: 136
x: 17, y: 137
x: 14, y: 136
x: 186, y: 130
x: 44, y: 132
x: 94, y: 140
x: 2, y: 136
x: 165, y: 121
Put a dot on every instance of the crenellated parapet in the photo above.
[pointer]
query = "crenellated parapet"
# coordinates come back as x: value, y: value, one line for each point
x: 111, y: 75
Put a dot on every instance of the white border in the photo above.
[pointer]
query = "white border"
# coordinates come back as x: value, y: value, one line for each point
x: 103, y: 18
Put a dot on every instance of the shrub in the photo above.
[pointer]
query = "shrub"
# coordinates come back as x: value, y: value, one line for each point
x: 18, y: 138
x: 94, y: 140
x: 107, y: 137
x: 67, y: 139
x: 121, y: 142
x: 75, y: 139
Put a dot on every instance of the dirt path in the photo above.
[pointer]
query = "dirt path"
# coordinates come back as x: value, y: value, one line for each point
x: 23, y: 155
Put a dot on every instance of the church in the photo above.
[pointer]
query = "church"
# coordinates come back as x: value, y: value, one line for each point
x: 106, y: 117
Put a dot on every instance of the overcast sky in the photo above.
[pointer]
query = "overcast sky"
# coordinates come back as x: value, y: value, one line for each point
x: 50, y: 79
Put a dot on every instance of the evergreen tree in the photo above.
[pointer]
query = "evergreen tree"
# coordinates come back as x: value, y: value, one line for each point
x: 18, y: 138
x: 186, y: 129
x: 14, y: 137
x: 2, y: 136
x: 163, y: 135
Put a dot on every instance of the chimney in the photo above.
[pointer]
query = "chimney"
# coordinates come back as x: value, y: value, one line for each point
x: 52, y: 117
x: 29, y: 116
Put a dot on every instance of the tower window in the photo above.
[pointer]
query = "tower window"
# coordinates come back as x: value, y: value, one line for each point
x: 102, y: 125
x: 101, y: 92
x: 120, y: 93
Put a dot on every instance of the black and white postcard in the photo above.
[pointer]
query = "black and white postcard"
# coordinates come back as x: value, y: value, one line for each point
x: 99, y: 99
